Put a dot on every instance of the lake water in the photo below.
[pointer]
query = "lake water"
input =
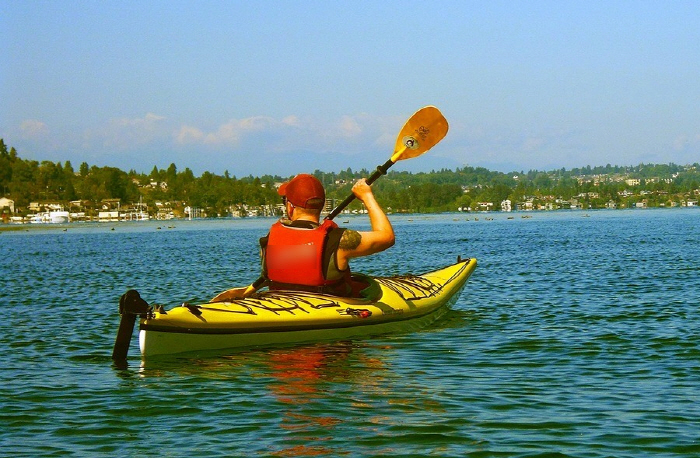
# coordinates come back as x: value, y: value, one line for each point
x: 575, y: 337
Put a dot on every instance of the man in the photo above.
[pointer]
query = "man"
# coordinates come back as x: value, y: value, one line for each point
x: 301, y: 252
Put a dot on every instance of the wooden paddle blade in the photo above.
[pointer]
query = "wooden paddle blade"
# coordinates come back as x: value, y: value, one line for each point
x: 421, y: 132
x: 233, y: 294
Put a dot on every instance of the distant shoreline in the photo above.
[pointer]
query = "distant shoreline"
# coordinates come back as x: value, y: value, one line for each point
x: 475, y: 216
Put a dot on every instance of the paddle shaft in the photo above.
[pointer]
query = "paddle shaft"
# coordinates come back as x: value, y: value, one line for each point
x: 381, y: 170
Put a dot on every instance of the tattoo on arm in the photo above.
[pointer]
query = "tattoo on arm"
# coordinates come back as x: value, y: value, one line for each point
x: 350, y: 240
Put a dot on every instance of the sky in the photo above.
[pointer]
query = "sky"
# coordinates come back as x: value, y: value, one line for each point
x: 284, y: 87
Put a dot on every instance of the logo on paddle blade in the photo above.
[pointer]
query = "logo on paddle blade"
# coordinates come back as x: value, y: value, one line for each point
x: 410, y: 142
x: 422, y: 132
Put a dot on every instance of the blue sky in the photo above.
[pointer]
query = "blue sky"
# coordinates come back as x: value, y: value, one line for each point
x: 283, y: 87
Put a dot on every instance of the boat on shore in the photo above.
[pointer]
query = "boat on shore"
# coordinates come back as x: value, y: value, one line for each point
x: 50, y: 217
x: 386, y: 305
x: 59, y: 217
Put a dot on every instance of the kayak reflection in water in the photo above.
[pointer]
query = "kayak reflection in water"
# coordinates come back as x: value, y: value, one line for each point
x: 304, y: 254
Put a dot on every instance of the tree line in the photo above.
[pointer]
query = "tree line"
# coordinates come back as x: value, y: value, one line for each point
x: 26, y: 181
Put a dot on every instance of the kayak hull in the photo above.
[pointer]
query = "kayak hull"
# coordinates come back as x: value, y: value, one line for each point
x: 392, y: 305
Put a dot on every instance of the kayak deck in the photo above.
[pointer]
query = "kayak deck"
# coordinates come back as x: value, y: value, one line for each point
x: 390, y: 304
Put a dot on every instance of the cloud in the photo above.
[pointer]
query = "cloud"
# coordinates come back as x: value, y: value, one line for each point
x: 248, y: 144
x: 233, y: 131
x: 350, y: 127
x: 290, y: 133
x: 32, y: 128
x: 129, y: 133
x: 292, y: 121
x: 188, y: 134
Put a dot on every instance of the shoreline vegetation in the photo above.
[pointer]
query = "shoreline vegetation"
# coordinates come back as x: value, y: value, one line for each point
x: 475, y: 217
x: 94, y: 193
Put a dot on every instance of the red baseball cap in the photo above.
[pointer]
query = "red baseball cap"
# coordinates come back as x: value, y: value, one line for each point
x: 304, y: 191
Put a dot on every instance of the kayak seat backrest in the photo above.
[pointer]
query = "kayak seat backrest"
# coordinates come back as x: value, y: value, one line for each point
x: 365, y: 288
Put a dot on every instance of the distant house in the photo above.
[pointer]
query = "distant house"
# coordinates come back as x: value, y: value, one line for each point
x: 110, y: 204
x: 485, y: 206
x: 108, y: 216
x: 7, y: 203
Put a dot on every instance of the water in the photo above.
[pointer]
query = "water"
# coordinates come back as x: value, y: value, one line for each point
x: 575, y: 337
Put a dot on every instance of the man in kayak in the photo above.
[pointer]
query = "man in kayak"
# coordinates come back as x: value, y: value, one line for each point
x: 301, y: 252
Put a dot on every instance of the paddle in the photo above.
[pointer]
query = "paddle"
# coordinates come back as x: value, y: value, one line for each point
x: 421, y: 132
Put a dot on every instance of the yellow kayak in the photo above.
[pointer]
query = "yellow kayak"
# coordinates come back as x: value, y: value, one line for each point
x: 388, y: 304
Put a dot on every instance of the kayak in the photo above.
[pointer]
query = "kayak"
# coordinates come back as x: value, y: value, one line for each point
x: 386, y: 305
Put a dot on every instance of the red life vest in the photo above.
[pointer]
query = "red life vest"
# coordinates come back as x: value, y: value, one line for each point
x: 294, y: 256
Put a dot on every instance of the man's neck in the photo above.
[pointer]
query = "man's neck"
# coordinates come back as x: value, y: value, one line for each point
x: 309, y: 218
